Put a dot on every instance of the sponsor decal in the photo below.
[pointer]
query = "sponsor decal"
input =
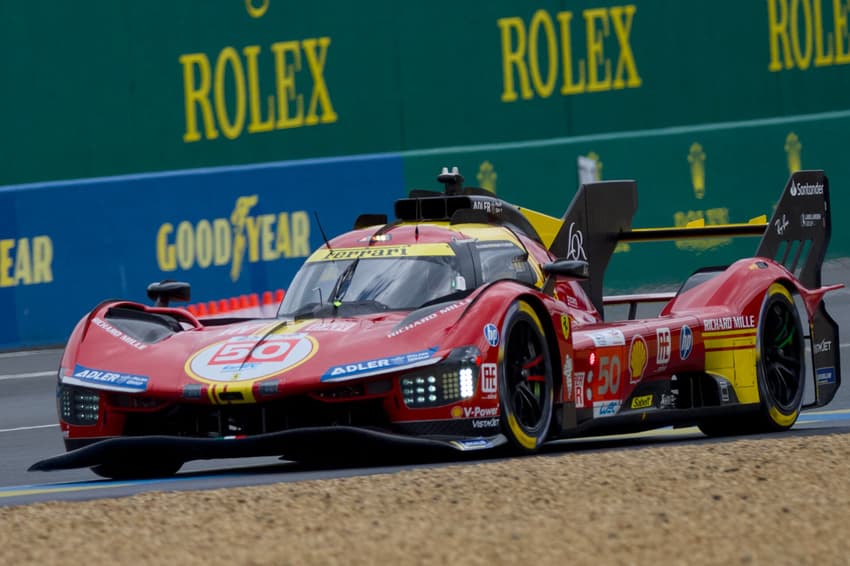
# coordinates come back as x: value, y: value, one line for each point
x: 193, y: 391
x: 809, y: 189
x: 250, y: 358
x: 642, y: 402
x: 486, y: 423
x: 823, y: 346
x: 568, y: 373
x: 565, y: 326
x: 488, y: 378
x: 575, y: 244
x: 664, y: 346
x: 331, y: 326
x: 609, y: 374
x: 637, y: 358
x: 234, y: 240
x: 269, y: 387
x: 427, y: 318
x: 105, y: 379
x: 781, y: 224
x: 109, y: 329
x: 610, y: 337
x: 572, y: 302
x: 457, y: 411
x: 378, y: 365
x: 578, y: 380
x: 403, y: 250
x: 825, y: 375
x: 605, y: 408
x: 686, y: 342
x: 491, y: 334
x: 808, y: 219
x: 479, y: 412
x: 729, y: 323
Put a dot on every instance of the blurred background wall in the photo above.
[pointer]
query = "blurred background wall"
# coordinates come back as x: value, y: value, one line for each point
x: 194, y: 140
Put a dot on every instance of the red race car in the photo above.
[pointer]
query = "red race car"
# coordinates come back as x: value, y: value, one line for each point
x: 466, y: 323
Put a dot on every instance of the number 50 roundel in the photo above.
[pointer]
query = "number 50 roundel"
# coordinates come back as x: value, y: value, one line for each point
x: 248, y: 358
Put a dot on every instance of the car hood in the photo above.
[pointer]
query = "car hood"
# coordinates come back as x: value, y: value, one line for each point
x: 263, y: 355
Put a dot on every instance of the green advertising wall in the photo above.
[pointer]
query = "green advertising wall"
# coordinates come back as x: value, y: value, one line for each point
x: 707, y: 103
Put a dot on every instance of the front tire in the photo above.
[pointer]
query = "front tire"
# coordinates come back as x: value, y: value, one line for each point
x: 526, y: 385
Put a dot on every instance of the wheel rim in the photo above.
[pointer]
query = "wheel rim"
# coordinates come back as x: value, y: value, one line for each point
x: 781, y: 355
x: 526, y: 374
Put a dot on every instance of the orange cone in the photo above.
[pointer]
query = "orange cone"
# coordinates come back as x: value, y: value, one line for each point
x: 278, y: 295
x: 267, y: 297
x: 253, y: 300
x: 202, y: 309
x: 213, y: 307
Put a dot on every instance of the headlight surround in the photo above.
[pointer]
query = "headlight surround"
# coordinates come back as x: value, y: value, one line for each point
x: 452, y: 380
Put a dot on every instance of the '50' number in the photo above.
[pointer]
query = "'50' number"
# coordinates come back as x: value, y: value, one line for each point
x: 271, y: 350
x: 609, y: 374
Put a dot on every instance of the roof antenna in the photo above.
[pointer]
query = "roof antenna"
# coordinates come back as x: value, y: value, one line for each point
x: 453, y: 181
x: 324, y: 237
x: 416, y: 232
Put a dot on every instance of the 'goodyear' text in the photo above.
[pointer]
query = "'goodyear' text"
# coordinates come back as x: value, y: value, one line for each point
x: 26, y: 261
x: 265, y: 237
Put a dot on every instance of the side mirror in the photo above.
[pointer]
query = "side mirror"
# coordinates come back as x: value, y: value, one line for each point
x: 169, y: 290
x: 572, y: 268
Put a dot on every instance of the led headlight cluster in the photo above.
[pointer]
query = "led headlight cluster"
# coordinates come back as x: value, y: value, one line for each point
x: 447, y: 382
x: 79, y: 406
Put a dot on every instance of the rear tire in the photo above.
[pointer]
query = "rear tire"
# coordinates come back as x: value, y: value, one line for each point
x: 526, y: 384
x: 780, y: 370
x: 780, y: 363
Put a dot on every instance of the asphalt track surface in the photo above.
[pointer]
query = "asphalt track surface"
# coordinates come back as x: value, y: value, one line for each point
x: 28, y: 432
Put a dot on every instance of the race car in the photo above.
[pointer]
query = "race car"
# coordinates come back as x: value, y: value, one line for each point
x: 467, y: 323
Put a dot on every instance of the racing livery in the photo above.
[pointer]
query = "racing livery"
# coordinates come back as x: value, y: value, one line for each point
x: 466, y: 323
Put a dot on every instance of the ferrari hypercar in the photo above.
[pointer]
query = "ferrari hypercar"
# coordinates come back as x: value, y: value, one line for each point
x: 466, y: 323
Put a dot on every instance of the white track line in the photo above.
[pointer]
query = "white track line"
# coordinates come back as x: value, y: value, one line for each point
x: 22, y: 353
x: 31, y: 375
x: 27, y: 427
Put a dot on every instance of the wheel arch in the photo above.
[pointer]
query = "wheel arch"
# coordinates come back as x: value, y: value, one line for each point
x: 551, y: 342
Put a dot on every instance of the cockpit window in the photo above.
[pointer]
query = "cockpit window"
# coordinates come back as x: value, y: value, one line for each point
x: 504, y: 260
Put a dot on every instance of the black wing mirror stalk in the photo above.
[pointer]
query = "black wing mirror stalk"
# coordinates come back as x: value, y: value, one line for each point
x: 168, y: 290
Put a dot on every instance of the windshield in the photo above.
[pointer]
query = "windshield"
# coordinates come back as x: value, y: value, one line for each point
x: 360, y: 285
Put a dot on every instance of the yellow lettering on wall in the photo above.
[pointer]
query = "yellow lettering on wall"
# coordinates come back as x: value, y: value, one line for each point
x: 513, y: 56
x: 543, y: 87
x: 257, y: 123
x: 231, y: 93
x: 316, y: 52
x: 300, y: 234
x: 622, y: 18
x: 531, y: 53
x: 797, y: 36
x: 221, y: 241
x: 267, y: 237
x: 165, y: 257
x: 26, y: 261
x: 229, y: 58
x: 569, y: 87
x: 285, y: 75
x: 42, y: 259
x: 23, y: 266
x: 6, y: 263
x: 252, y: 227
x: 197, y: 96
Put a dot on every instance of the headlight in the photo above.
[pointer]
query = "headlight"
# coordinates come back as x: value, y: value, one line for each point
x: 78, y: 406
x: 449, y: 381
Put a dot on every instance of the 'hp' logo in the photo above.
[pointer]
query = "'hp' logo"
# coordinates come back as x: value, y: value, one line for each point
x: 686, y: 342
x: 491, y: 333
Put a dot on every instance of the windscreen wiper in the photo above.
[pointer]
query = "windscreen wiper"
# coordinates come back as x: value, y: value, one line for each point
x: 342, y: 283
